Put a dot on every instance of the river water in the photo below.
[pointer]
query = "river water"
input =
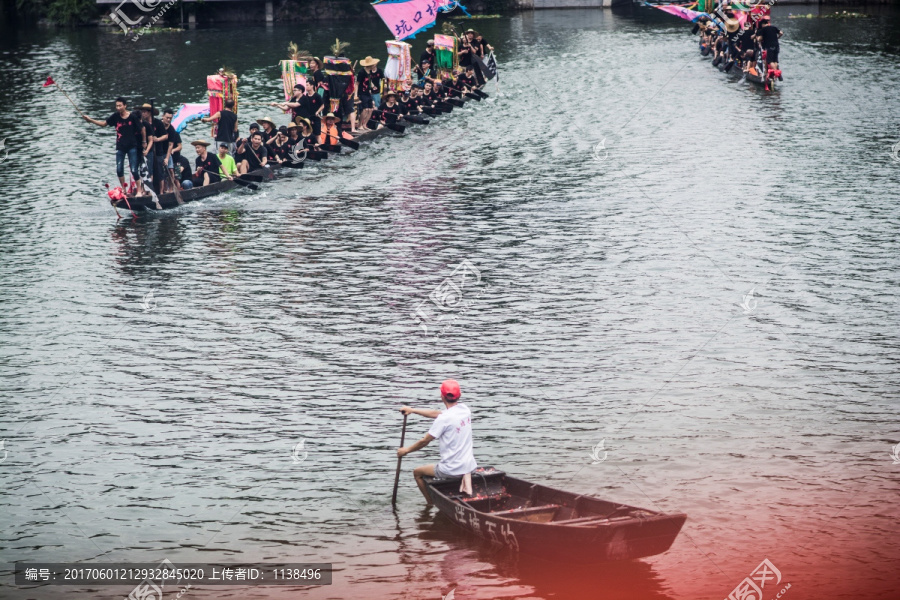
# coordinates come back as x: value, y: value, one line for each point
x: 696, y: 273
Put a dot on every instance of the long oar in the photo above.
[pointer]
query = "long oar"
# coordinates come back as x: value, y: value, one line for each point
x: 399, y: 459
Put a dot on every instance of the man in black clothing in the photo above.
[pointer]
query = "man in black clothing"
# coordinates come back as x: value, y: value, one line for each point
x: 208, y: 165
x: 746, y: 38
x: 467, y: 82
x: 768, y: 38
x: 304, y: 104
x: 227, y: 125
x: 253, y: 154
x: 154, y: 145
x: 390, y: 106
x: 160, y: 152
x: 128, y: 131
x: 467, y: 49
x: 183, y: 172
x: 428, y: 54
x: 173, y: 148
x: 369, y: 82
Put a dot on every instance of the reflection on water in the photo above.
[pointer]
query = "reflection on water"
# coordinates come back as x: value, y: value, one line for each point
x: 156, y: 374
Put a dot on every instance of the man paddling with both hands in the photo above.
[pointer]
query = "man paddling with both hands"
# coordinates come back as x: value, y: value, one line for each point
x: 453, y: 428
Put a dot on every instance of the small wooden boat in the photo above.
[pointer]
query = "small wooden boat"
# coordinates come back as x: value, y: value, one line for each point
x: 168, y: 201
x: 541, y: 521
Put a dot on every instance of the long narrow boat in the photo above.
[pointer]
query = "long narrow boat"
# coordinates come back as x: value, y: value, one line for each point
x: 735, y: 70
x: 167, y: 201
x: 545, y: 522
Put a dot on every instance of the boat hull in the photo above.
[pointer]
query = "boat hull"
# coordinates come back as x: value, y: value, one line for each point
x: 170, y: 201
x: 553, y: 524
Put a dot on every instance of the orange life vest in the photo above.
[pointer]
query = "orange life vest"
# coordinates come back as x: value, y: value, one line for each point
x: 329, y: 135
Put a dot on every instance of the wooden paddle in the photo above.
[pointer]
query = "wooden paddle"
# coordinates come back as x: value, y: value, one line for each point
x: 350, y: 143
x: 316, y: 155
x: 247, y: 183
x: 472, y: 96
x: 417, y: 119
x: 399, y: 460
x: 480, y: 93
x: 455, y: 102
x: 373, y: 124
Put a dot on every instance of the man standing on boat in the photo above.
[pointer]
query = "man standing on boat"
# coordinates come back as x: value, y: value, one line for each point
x: 226, y: 125
x: 128, y: 130
x: 768, y: 39
x: 453, y: 428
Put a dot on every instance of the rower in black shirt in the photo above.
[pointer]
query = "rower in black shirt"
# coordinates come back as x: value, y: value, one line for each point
x: 253, y: 154
x: 207, y: 164
x: 227, y: 125
x: 467, y: 81
x: 307, y: 135
x: 390, y: 106
x: 407, y: 104
x: 269, y: 129
x: 294, y: 139
x: 183, y: 172
x: 429, y: 96
x: 280, y: 151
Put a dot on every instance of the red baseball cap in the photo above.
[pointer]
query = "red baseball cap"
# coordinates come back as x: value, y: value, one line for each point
x: 450, y: 390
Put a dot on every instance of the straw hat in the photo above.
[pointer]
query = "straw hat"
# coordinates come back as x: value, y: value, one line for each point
x: 732, y: 25
x: 330, y: 116
x: 369, y: 62
x: 267, y: 120
x: 203, y: 143
x: 300, y: 121
x: 154, y: 111
x: 390, y: 93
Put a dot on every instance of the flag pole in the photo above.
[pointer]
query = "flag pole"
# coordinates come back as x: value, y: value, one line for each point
x: 50, y: 82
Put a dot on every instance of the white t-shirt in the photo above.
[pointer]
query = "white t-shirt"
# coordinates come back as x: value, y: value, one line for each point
x: 453, y: 428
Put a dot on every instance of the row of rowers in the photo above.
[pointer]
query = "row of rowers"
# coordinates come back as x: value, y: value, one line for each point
x: 144, y: 139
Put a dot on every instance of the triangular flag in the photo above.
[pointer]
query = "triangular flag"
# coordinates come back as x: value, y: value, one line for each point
x: 49, y: 82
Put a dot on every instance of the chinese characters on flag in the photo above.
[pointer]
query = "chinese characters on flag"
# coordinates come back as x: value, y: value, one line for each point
x: 406, y: 18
